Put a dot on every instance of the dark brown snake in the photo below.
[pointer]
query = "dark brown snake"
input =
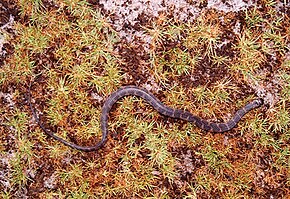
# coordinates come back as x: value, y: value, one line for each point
x: 157, y: 105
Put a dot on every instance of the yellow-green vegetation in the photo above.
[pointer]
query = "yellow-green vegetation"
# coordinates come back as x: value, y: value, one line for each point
x: 73, y: 56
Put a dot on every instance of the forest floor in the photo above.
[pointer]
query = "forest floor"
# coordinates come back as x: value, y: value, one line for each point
x: 207, y: 57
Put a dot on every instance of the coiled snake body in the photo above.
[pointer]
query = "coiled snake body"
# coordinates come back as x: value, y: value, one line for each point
x: 157, y: 105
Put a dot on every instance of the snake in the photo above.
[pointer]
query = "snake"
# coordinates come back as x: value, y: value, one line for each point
x: 158, y: 106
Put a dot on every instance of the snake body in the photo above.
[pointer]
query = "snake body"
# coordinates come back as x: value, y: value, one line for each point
x: 158, y: 106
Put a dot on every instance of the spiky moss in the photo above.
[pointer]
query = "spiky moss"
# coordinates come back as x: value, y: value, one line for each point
x: 68, y: 49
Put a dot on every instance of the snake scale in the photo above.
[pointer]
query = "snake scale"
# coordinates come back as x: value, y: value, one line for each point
x: 158, y: 106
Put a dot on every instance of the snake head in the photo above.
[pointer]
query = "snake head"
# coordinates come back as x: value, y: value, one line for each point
x: 259, y: 102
